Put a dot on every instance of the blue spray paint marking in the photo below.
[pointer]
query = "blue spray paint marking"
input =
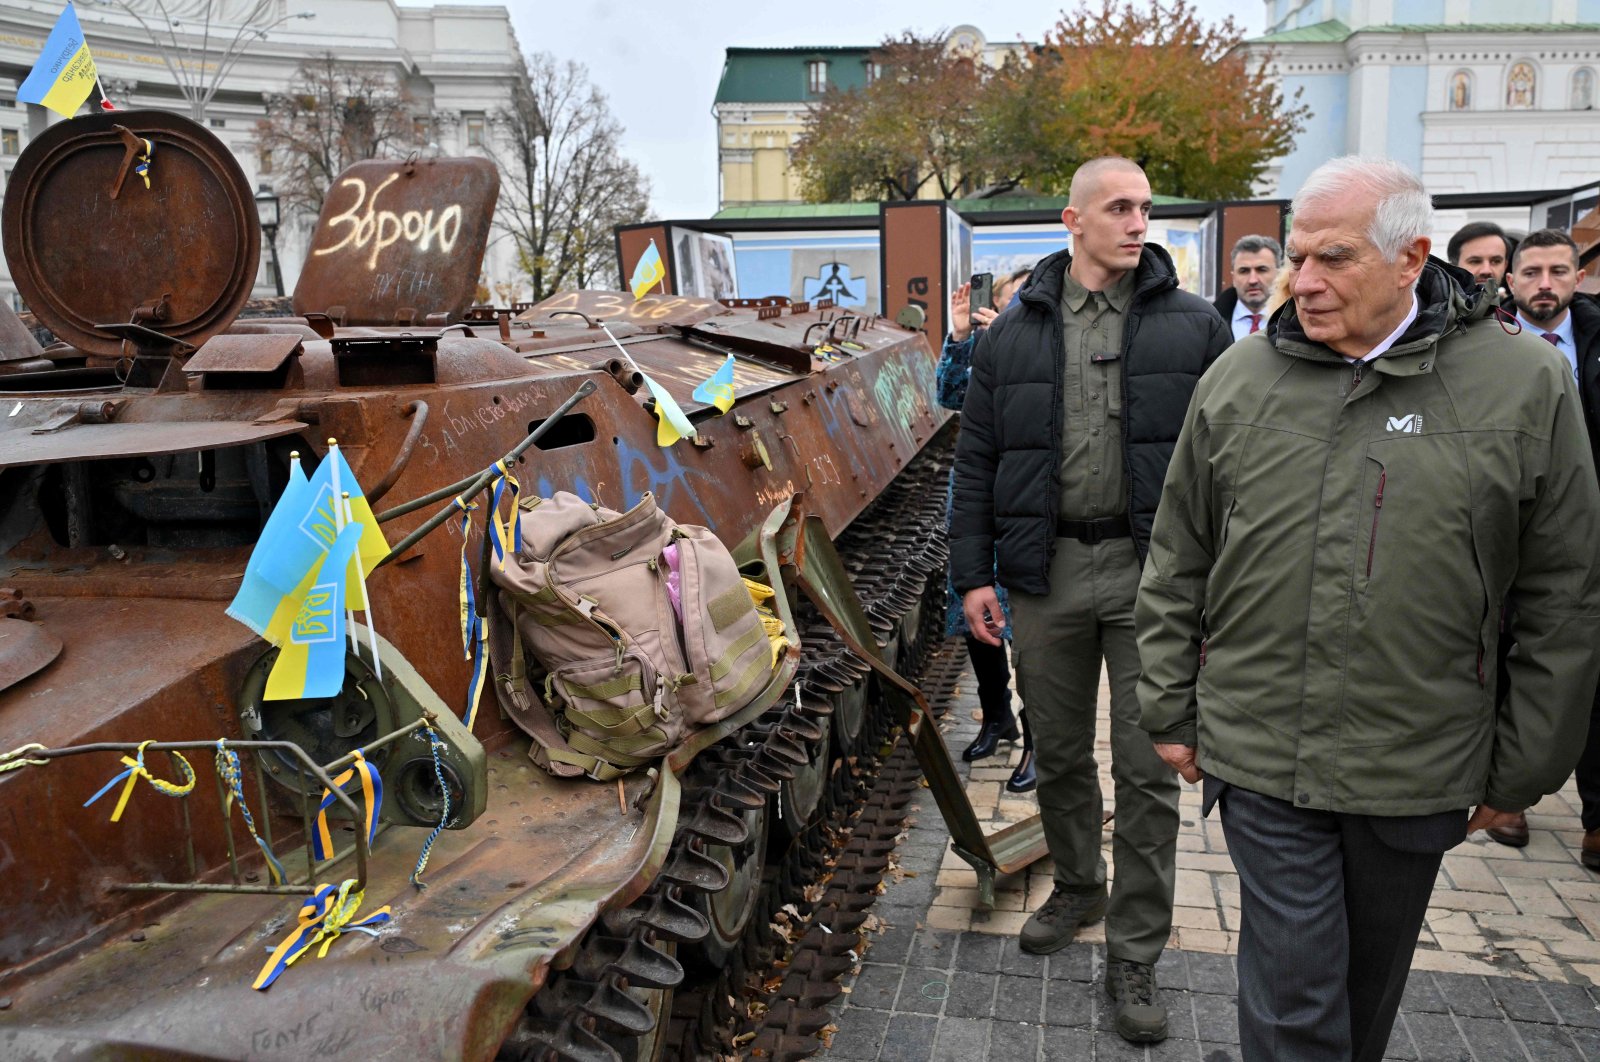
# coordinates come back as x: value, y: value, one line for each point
x: 578, y: 486
x: 665, y: 482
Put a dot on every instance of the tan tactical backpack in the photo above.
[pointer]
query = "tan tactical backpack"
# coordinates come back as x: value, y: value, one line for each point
x: 643, y: 631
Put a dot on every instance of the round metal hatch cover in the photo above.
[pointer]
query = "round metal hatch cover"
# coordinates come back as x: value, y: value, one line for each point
x: 83, y: 259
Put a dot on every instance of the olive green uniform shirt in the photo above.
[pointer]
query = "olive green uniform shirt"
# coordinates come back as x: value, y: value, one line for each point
x: 1092, y: 474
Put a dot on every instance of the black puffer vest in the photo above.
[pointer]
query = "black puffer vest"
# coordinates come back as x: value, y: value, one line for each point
x: 1007, y: 460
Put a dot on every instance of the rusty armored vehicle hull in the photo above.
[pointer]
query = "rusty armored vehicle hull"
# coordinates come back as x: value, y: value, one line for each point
x: 139, y: 459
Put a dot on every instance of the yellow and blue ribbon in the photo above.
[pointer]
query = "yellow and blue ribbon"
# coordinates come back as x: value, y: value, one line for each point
x: 142, y: 165
x: 371, y: 796
x: 507, y: 537
x: 322, y: 919
x: 474, y: 632
x: 228, y: 770
x: 434, y: 745
x: 137, y: 770
x: 469, y: 611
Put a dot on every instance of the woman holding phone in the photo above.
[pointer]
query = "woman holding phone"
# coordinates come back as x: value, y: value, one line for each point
x: 989, y: 663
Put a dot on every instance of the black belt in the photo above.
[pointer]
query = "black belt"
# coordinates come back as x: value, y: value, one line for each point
x: 1091, y: 531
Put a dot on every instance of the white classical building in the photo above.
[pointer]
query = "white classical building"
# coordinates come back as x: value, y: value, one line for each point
x: 460, y: 66
x: 1479, y: 96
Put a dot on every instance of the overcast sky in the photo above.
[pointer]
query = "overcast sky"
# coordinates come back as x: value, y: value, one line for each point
x: 660, y: 62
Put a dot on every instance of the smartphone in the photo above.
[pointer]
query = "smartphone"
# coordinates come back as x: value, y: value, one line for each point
x: 982, y: 292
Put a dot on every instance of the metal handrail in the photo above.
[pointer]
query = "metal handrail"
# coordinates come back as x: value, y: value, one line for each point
x: 322, y: 773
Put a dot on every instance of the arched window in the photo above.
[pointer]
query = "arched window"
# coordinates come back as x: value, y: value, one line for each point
x: 1583, y: 89
x: 1460, y: 91
x: 1521, y: 86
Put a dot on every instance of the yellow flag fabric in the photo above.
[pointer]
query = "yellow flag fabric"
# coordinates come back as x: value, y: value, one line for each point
x: 283, y: 559
x: 65, y: 73
x: 672, y: 423
x: 648, y: 273
x: 717, y: 390
x: 308, y: 627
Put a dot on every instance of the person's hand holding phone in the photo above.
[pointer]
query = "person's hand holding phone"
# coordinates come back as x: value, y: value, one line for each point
x: 963, y: 317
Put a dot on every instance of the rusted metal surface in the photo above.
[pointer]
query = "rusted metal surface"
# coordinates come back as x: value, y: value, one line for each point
x: 399, y: 241
x: 24, y: 648
x: 80, y: 442
x: 186, y: 248
x: 17, y: 342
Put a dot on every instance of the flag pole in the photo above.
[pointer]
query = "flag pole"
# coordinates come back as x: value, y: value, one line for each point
x: 338, y: 527
x: 366, y: 595
x: 105, y: 101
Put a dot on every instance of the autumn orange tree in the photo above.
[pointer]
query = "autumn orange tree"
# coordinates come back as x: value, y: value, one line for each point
x: 1155, y: 84
x: 918, y: 130
x: 1148, y: 80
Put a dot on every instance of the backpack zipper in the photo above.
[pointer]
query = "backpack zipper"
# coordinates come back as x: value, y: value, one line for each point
x: 1377, y: 510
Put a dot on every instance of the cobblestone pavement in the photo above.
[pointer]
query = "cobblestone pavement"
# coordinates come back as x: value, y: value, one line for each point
x: 1502, y: 972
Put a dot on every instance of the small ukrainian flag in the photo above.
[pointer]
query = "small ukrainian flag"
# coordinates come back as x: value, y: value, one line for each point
x: 257, y: 598
x: 649, y: 272
x: 65, y: 73
x: 308, y: 627
x: 717, y: 390
x: 671, y: 422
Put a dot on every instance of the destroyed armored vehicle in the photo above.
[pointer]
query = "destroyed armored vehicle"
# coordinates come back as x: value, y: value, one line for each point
x: 140, y: 456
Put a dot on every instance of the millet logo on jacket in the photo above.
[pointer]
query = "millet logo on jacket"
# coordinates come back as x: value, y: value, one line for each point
x: 1411, y: 424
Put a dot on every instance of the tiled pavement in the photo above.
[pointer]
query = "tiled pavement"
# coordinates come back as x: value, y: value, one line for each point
x: 1503, y: 970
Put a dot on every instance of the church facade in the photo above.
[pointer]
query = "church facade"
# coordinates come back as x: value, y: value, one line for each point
x: 1478, y: 96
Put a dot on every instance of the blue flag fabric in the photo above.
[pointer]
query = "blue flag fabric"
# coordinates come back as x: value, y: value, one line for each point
x: 310, y: 624
x: 257, y: 598
x: 717, y: 390
x: 314, y: 526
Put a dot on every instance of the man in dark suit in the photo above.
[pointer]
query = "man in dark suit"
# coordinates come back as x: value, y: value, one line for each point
x: 1544, y: 281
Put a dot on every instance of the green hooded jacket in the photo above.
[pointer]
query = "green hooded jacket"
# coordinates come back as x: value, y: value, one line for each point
x: 1323, y: 595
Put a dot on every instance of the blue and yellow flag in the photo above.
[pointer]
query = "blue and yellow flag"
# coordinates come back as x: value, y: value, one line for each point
x: 308, y: 627
x: 258, y: 599
x: 718, y: 389
x: 64, y: 75
x: 672, y: 424
x: 314, y: 525
x: 648, y: 273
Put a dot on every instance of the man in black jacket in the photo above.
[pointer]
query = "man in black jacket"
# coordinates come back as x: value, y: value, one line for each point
x: 1075, y: 401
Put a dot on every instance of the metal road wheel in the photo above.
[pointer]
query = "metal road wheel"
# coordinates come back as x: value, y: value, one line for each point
x: 798, y: 797
x: 849, y: 709
x: 729, y: 910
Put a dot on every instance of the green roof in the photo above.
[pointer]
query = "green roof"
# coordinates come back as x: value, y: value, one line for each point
x: 1333, y: 31
x: 995, y: 204
x: 779, y: 75
x: 764, y: 211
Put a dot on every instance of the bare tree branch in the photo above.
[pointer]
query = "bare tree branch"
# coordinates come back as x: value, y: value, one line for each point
x: 565, y: 182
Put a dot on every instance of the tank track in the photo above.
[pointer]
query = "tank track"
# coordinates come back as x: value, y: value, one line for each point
x: 771, y: 989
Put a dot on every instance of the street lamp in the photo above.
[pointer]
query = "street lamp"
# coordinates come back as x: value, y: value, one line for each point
x: 194, y: 87
x: 267, y: 211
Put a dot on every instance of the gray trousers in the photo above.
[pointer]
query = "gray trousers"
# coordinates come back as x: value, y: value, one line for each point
x: 1331, y: 911
x: 1058, y: 643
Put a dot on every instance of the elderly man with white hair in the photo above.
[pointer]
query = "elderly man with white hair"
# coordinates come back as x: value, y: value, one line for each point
x: 1356, y: 490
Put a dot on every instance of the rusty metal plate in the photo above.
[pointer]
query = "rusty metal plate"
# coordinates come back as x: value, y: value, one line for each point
x: 243, y: 353
x: 81, y: 442
x: 397, y: 241
x: 24, y: 648
x: 652, y: 311
x: 83, y: 257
